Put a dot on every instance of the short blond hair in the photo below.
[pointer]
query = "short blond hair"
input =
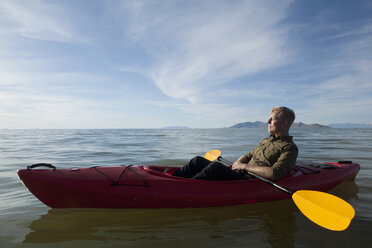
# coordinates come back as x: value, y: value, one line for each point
x: 286, y: 113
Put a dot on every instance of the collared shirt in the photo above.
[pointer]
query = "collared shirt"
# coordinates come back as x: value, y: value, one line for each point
x: 280, y: 153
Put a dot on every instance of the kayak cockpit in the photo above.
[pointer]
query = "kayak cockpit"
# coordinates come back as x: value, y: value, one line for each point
x: 164, y: 171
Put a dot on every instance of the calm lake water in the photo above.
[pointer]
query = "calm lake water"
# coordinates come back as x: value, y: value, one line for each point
x: 26, y: 222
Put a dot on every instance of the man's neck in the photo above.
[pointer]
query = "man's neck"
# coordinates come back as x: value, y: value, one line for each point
x: 281, y: 134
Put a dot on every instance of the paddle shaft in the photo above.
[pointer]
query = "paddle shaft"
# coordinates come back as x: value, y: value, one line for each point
x: 261, y: 178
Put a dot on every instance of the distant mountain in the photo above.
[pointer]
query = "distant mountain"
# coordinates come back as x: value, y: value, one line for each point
x: 258, y: 124
x: 350, y: 125
x: 175, y: 127
x: 250, y: 124
x: 303, y: 125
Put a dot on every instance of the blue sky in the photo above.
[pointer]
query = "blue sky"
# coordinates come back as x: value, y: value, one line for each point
x: 151, y: 64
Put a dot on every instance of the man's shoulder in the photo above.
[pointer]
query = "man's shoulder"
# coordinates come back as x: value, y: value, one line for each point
x: 289, y: 146
x: 282, y: 140
x: 286, y: 142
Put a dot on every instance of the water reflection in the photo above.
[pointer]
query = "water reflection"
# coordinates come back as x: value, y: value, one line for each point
x: 271, y: 223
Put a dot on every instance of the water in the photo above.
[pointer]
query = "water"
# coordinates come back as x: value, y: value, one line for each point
x: 26, y: 222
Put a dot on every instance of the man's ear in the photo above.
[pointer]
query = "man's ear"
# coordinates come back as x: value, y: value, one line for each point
x: 286, y: 123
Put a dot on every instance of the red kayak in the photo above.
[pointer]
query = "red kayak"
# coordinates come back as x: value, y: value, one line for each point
x: 155, y: 187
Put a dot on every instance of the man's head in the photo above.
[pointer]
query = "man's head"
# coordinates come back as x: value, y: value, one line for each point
x: 281, y: 119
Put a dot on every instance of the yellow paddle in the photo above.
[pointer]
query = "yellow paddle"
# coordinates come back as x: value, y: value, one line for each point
x: 324, y: 209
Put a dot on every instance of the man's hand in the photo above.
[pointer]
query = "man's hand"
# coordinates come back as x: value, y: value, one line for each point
x: 239, y: 166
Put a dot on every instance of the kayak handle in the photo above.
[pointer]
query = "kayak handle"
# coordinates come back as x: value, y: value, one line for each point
x: 41, y: 165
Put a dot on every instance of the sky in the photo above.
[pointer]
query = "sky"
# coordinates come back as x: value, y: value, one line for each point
x: 200, y: 64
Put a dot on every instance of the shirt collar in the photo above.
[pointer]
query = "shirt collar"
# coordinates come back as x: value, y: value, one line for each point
x: 284, y: 138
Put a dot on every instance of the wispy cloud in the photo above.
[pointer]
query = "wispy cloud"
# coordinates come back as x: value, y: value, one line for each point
x: 351, y: 32
x: 345, y: 94
x: 40, y: 20
x: 198, y: 46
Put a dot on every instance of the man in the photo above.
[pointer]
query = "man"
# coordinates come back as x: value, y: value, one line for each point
x: 273, y: 158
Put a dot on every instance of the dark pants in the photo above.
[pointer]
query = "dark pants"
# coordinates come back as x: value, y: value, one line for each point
x: 201, y: 168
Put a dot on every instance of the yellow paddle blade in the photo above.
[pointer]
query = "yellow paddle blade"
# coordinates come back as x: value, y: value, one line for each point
x: 324, y: 209
x: 212, y: 155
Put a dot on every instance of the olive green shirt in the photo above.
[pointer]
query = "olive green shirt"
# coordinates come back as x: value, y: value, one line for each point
x: 280, y: 153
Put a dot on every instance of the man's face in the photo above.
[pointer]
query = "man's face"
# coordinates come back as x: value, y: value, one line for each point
x: 276, y: 124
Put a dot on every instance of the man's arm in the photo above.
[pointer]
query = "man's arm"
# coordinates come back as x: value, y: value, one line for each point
x: 263, y: 171
x: 286, y: 162
x: 243, y: 159
x: 243, y: 164
x: 282, y: 167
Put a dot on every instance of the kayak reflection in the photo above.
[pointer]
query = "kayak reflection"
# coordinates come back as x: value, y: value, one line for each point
x: 222, y: 224
x: 271, y: 223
